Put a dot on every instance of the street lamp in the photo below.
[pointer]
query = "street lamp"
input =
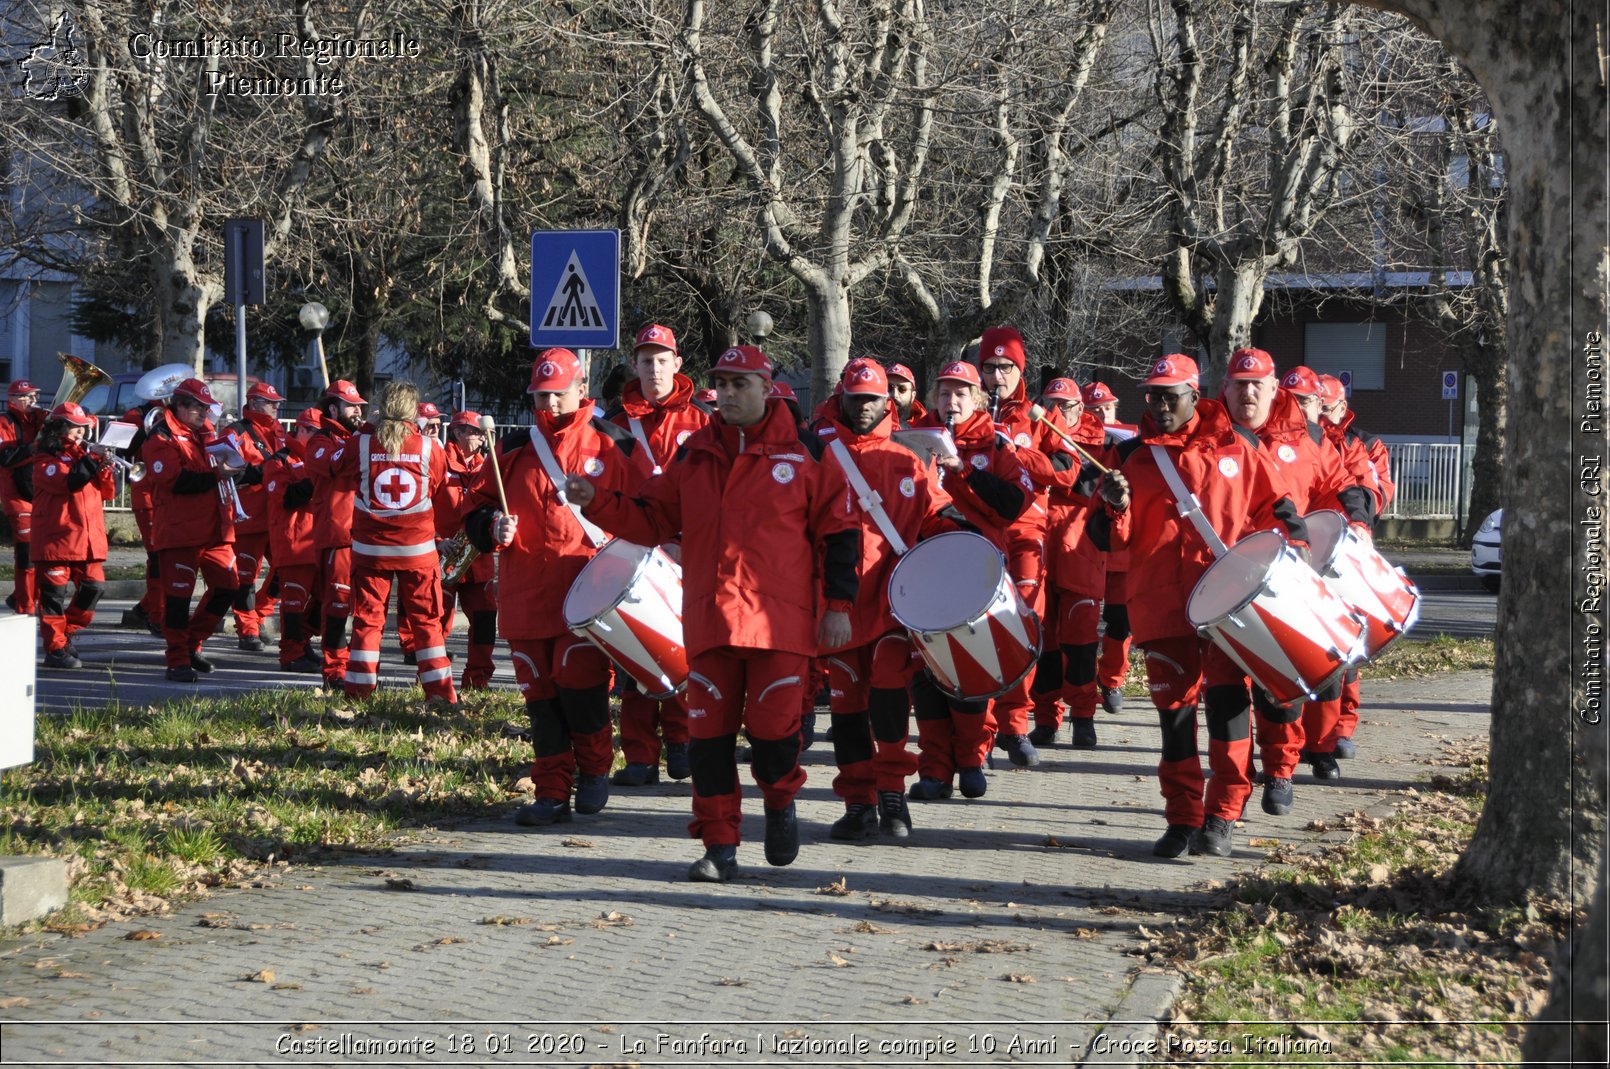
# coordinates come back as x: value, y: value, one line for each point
x: 759, y: 324
x: 315, y: 317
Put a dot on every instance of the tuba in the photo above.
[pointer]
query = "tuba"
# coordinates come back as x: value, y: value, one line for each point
x: 78, y: 378
x: 159, y: 383
x: 457, y: 554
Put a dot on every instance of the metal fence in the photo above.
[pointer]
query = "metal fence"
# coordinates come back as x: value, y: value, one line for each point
x: 1428, y: 477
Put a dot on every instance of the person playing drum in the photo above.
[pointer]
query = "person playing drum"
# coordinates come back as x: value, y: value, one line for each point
x: 767, y: 528
x: 544, y: 543
x: 1224, y: 470
x: 657, y: 406
x: 475, y: 592
x: 868, y: 676
x: 990, y: 490
x: 1279, y: 414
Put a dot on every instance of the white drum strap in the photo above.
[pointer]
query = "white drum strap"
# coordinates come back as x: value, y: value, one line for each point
x: 1188, y: 504
x: 869, y: 498
x: 636, y: 426
x: 550, y: 464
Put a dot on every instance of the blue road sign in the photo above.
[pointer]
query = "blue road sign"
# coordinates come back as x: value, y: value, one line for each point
x: 1450, y: 385
x: 575, y: 289
x: 1346, y: 378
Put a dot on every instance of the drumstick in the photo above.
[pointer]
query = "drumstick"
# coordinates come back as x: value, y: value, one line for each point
x: 1039, y: 413
x: 492, y: 458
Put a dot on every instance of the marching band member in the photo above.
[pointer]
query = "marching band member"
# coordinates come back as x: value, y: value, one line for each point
x: 192, y: 526
x: 1226, y: 488
x: 658, y: 408
x: 147, y: 612
x: 392, y: 470
x: 70, y: 486
x: 990, y: 490
x: 288, y: 498
x: 429, y: 418
x: 340, y: 414
x: 19, y: 426
x: 544, y: 543
x: 909, y: 411
x: 868, y: 676
x: 1112, y: 664
x: 260, y: 436
x: 754, y: 506
x: 466, y: 455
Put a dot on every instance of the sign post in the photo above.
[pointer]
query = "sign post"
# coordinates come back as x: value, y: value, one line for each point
x: 1450, y: 393
x: 575, y: 289
x: 243, y: 285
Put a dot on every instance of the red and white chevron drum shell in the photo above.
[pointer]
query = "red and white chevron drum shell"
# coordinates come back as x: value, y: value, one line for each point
x: 627, y: 601
x: 976, y: 634
x: 1277, y: 618
x: 1388, y: 599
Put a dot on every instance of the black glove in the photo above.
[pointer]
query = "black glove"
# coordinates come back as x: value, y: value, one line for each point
x: 298, y: 493
x: 250, y: 475
x: 82, y: 473
x: 195, y: 482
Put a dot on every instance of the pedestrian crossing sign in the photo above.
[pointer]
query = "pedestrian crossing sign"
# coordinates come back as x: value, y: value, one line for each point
x: 575, y: 289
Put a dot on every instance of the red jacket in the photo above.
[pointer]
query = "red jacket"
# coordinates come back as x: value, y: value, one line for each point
x: 332, y: 504
x: 996, y: 489
x: 919, y: 413
x: 1049, y: 461
x: 463, y: 469
x: 911, y: 498
x: 1225, y: 467
x: 260, y: 437
x: 70, y: 489
x: 1075, y: 563
x: 288, y: 493
x: 186, y: 507
x: 1360, y: 446
x: 663, y: 426
x: 393, y: 517
x: 752, y: 505
x: 140, y: 492
x: 1310, y: 465
x: 550, y: 546
x: 17, y: 434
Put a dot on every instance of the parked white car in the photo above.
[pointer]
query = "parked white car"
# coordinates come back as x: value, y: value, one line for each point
x: 1487, y: 550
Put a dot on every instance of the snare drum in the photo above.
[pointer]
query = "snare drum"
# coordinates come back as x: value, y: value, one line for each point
x: 977, y: 635
x: 627, y: 601
x: 1276, y: 618
x: 1388, y: 599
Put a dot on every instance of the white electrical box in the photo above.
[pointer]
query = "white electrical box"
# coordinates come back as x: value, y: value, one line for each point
x: 19, y: 638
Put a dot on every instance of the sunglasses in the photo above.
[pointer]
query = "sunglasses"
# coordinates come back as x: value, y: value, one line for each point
x: 1165, y: 397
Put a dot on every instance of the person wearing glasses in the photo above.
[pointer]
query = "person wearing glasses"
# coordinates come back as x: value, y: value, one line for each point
x: 19, y: 426
x: 909, y: 412
x: 429, y: 419
x: 1226, y: 470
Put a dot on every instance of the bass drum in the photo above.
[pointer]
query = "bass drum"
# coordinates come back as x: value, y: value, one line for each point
x: 627, y: 601
x: 1387, y: 598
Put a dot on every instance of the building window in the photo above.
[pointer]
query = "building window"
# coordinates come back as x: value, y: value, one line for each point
x: 1357, y: 348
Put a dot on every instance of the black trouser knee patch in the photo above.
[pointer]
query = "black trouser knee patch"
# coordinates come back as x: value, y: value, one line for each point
x: 1116, y: 617
x: 88, y: 596
x: 1331, y: 691
x: 1179, y: 732
x: 1080, y: 663
x: 291, y: 627
x: 484, y: 627
x: 218, y: 601
x: 715, y: 765
x: 1228, y: 714
x: 52, y: 598
x: 586, y: 709
x: 23, y: 556
x: 927, y: 699
x: 153, y: 566
x: 1273, y: 713
x: 245, y: 599
x: 335, y: 632
x: 772, y: 759
x: 175, y: 613
x: 852, y: 738
x: 889, y: 709
x: 549, y: 735
x: 1047, y: 673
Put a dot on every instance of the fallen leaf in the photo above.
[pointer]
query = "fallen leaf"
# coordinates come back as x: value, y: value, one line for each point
x: 839, y: 887
x: 288, y: 987
x: 504, y: 921
x: 12, y: 1002
x: 913, y: 1000
x: 837, y: 961
x: 143, y: 934
x: 1019, y: 978
x: 403, y: 884
x: 558, y: 941
x: 731, y: 981
x: 612, y: 919
x: 264, y: 976
x: 577, y: 844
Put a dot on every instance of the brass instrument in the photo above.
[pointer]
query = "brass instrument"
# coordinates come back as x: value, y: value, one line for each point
x: 78, y: 378
x: 457, y: 554
x: 133, y: 471
x: 159, y: 383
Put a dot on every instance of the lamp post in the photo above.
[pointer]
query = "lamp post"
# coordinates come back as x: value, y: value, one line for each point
x: 315, y: 317
x: 759, y: 324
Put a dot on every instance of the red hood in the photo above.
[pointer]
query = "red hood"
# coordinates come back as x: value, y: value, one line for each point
x: 776, y: 430
x: 1286, y: 421
x: 1209, y: 426
x: 331, y: 426
x: 636, y: 406
x: 1334, y: 430
x: 829, y: 410
x: 551, y: 424
x: 1090, y: 431
x: 880, y: 432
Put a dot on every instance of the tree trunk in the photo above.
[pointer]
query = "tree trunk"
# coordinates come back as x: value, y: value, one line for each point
x: 1486, y: 366
x: 1572, y: 1031
x: 1235, y: 306
x: 182, y: 300
x: 827, y: 335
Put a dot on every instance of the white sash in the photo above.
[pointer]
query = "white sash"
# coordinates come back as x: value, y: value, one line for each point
x: 1188, y: 504
x: 636, y: 426
x: 550, y: 464
x: 869, y: 498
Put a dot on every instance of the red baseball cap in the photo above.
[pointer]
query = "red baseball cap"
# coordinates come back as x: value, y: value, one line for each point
x: 1250, y: 364
x: 1301, y: 381
x: 1175, y: 369
x: 707, y: 395
x: 73, y: 414
x: 1063, y: 390
x: 901, y: 371
x: 657, y: 336
x: 428, y: 410
x: 864, y: 377
x: 1002, y: 342
x: 1331, y: 390
x: 746, y: 360
x: 309, y: 418
x: 784, y: 391
x: 466, y: 418
x: 196, y: 390
x: 962, y: 371
x: 1097, y: 394
x: 554, y: 370
x: 20, y: 387
x: 263, y: 391
x: 342, y: 390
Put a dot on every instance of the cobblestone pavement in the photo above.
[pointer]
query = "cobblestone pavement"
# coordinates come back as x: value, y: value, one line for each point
x: 1001, y: 933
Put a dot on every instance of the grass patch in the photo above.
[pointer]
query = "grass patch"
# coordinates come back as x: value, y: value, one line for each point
x: 157, y: 803
x: 1411, y: 658
x: 1363, y: 952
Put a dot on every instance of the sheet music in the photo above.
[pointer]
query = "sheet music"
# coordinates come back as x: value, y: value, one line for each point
x: 927, y: 442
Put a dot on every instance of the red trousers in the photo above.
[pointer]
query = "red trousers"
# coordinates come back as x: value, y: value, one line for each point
x: 1113, y: 665
x: 59, y: 618
x: 481, y: 607
x: 252, y: 606
x: 565, y: 682
x: 419, y: 615
x: 24, y: 584
x: 297, y: 583
x: 646, y: 722
x: 183, y: 632
x: 757, y: 690
x: 872, y: 716
x: 1181, y: 671
x: 152, y: 601
x: 951, y: 733
x: 1347, y: 720
x: 1012, y: 710
x: 1078, y: 617
x: 335, y: 598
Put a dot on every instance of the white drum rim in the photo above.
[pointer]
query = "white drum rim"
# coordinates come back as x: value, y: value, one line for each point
x: 982, y: 610
x: 1323, y: 553
x: 1285, y: 550
x: 626, y: 588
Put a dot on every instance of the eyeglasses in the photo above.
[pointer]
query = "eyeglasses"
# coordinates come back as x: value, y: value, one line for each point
x: 1166, y: 397
x: 1000, y: 369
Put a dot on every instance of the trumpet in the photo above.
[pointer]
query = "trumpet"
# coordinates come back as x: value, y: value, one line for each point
x: 133, y: 471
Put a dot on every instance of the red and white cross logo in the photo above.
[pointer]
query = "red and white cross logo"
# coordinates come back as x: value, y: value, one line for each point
x: 395, y: 489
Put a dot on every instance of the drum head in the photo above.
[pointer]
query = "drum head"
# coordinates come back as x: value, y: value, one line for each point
x: 1325, y: 530
x: 603, y: 582
x: 1234, y: 579
x: 945, y: 581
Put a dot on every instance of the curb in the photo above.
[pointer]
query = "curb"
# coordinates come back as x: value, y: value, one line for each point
x: 1130, y: 1036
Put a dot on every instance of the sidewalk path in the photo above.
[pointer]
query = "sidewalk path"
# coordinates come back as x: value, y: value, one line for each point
x: 1001, y: 934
